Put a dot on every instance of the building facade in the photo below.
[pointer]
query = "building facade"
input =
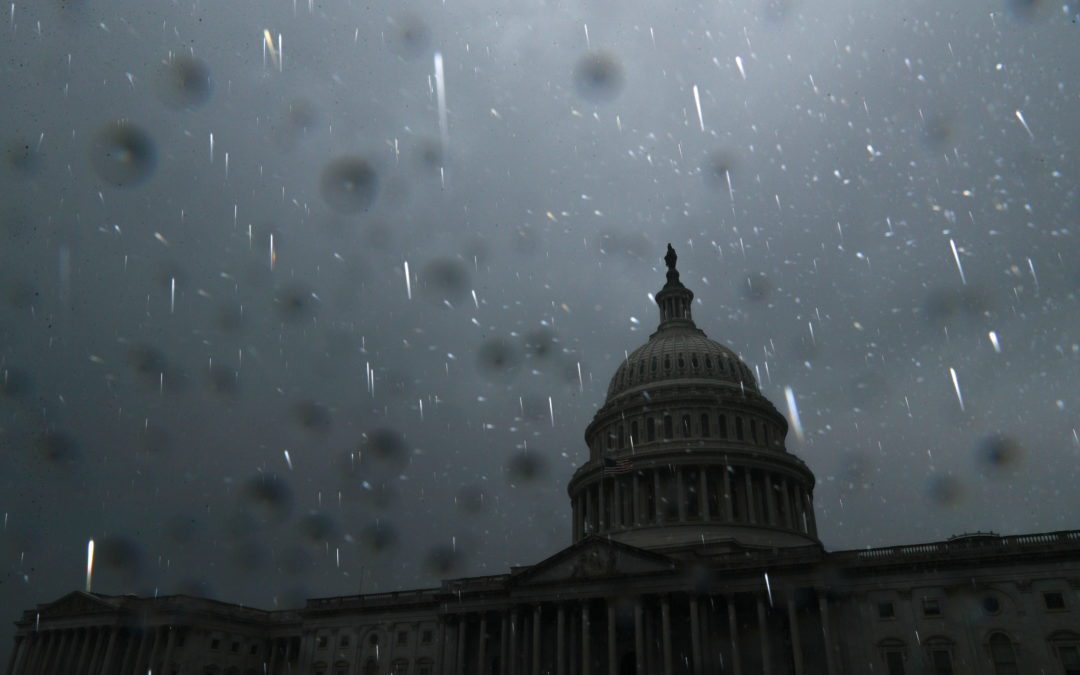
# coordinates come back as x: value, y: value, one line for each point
x: 694, y: 551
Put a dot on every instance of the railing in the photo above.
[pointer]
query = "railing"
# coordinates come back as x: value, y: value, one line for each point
x: 987, y: 543
x: 375, y: 599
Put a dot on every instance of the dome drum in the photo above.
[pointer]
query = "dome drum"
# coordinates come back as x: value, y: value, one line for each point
x: 686, y: 451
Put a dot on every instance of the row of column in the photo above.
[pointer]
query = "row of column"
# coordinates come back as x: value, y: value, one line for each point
x: 579, y: 638
x: 108, y: 650
x: 719, y: 493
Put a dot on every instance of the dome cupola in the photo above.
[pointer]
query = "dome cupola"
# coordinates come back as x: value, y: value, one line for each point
x: 686, y: 453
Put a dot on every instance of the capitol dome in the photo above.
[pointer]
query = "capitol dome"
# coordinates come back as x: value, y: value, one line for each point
x: 686, y: 451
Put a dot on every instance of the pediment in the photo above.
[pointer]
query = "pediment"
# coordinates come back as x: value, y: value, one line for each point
x: 75, y: 603
x: 595, y: 558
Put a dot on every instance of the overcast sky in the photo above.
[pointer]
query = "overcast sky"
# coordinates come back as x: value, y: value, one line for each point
x: 210, y: 362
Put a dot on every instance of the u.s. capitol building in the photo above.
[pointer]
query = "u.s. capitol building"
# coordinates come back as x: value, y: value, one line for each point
x: 694, y: 550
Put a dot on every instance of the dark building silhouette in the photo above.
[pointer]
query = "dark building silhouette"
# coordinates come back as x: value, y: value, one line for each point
x: 694, y: 551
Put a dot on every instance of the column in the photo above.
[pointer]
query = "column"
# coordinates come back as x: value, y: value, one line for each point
x: 796, y: 641
x: 170, y: 646
x: 786, y: 503
x: 770, y: 498
x: 99, y: 643
x: 481, y: 649
x: 695, y: 635
x: 156, y: 650
x: 586, y: 658
x: 729, y: 510
x: 19, y: 641
x: 602, y: 523
x: 577, y: 516
x: 89, y: 637
x: 33, y: 646
x: 823, y: 607
x: 763, y: 626
x: 751, y: 512
x: 810, y: 513
x: 560, y: 642
x: 511, y: 657
x: 590, y: 511
x: 536, y: 641
x: 274, y: 653
x: 657, y: 517
x: 440, y: 660
x: 57, y: 650
x: 573, y: 656
x: 67, y: 659
x: 613, y: 666
x: 106, y: 660
x: 635, y: 494
x: 639, y: 637
x: 616, y: 502
x: 665, y: 618
x: 504, y: 642
x: 144, y: 644
x: 680, y: 491
x: 733, y: 628
x: 459, y: 657
x: 703, y: 494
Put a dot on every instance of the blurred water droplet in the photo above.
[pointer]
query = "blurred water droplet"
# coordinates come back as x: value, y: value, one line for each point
x: 312, y: 417
x: 598, y: 77
x: 269, y: 494
x: 319, y: 528
x: 498, y: 359
x: 122, y: 154
x: 22, y: 158
x: 945, y: 491
x: 442, y: 561
x: 349, y: 184
x: 184, y: 82
x: 444, y: 279
x: 1000, y: 452
x: 57, y: 447
x: 526, y: 466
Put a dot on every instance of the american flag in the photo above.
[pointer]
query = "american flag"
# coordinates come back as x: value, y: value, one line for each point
x: 616, y: 467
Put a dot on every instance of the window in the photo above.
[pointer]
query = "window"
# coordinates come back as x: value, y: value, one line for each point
x: 425, y: 637
x: 894, y: 662
x: 1066, y: 647
x: 342, y: 669
x: 738, y: 428
x: 322, y: 642
x: 991, y: 605
x: 373, y: 640
x: 1055, y: 602
x: 686, y: 426
x: 931, y: 607
x: 610, y: 440
x: 652, y: 366
x: 641, y: 369
x: 939, y: 653
x: 634, y: 438
x: 753, y: 430
x: 215, y: 644
x: 693, y: 361
x: 885, y: 610
x: 667, y: 363
x: 254, y: 650
x: 622, y: 437
x: 402, y: 637
x: 371, y: 667
x: 708, y: 362
x: 681, y: 362
x: 650, y: 429
x: 705, y: 426
x: 344, y: 641
x: 399, y: 667
x: 669, y: 428
x: 721, y: 426
x: 235, y: 647
x: 1003, y: 655
x: 425, y: 667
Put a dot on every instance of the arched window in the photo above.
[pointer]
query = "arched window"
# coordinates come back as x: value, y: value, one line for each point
x: 681, y: 361
x: 705, y: 425
x: 399, y: 667
x: 894, y: 654
x: 693, y: 361
x: 686, y: 426
x: 939, y: 655
x: 641, y: 369
x: 669, y: 428
x: 1003, y: 655
x: 721, y: 426
x: 708, y: 363
x: 720, y: 363
x: 610, y: 440
x: 1066, y: 647
x: 667, y: 362
x: 753, y: 430
x: 650, y: 429
x: 738, y: 428
x: 634, y: 438
x: 765, y: 432
x: 372, y: 666
x: 425, y: 666
x: 622, y: 437
x: 653, y: 366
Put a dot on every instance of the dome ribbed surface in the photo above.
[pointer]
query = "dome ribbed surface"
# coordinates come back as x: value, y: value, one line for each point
x: 682, y: 353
